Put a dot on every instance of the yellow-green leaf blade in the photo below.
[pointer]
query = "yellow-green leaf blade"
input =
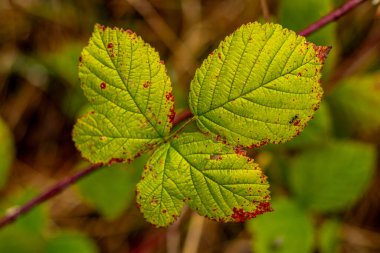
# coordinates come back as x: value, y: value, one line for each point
x: 207, y: 175
x: 260, y: 85
x: 130, y: 92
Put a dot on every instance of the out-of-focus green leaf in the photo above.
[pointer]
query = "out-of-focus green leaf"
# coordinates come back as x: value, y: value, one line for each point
x: 25, y: 234
x: 111, y: 189
x: 17, y: 240
x: 288, y: 229
x: 355, y: 105
x: 296, y: 15
x: 6, y: 152
x: 316, y: 133
x: 333, y: 177
x: 329, y: 239
x: 70, y: 243
x: 64, y: 62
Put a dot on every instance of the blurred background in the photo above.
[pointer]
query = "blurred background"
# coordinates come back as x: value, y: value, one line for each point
x: 325, y: 183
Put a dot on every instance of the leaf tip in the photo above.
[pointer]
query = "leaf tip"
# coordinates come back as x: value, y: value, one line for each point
x: 100, y: 27
x: 322, y: 52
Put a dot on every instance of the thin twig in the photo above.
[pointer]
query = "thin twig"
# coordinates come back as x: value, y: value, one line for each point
x: 66, y: 182
x: 48, y: 194
x: 173, y: 239
x: 195, y: 233
x: 265, y: 9
x: 182, y: 117
x: 332, y: 16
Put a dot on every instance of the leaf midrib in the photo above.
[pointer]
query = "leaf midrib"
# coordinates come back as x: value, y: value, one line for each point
x: 125, y: 85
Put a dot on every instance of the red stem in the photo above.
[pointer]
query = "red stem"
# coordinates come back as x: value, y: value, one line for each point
x: 48, y: 194
x: 332, y: 16
x: 66, y: 182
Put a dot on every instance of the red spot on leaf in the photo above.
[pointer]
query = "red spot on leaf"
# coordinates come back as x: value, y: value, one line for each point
x: 110, y: 45
x: 129, y: 31
x: 101, y: 27
x: 240, y: 215
x: 115, y: 160
x: 322, y: 52
x: 103, y: 85
x: 171, y: 115
x: 261, y: 143
x: 240, y: 151
x: 169, y: 96
x: 296, y: 123
x: 147, y: 84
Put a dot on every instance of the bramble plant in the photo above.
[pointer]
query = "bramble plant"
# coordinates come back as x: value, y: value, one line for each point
x: 260, y: 86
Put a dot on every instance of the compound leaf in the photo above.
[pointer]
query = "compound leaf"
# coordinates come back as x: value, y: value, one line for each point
x: 260, y: 85
x: 130, y: 92
x: 212, y: 178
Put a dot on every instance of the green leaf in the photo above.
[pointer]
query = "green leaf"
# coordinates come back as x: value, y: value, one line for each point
x: 128, y: 87
x: 329, y: 235
x: 334, y: 177
x: 288, y: 229
x: 6, y: 152
x: 25, y: 234
x: 110, y: 189
x: 356, y: 105
x: 261, y: 85
x: 212, y: 178
x: 70, y: 242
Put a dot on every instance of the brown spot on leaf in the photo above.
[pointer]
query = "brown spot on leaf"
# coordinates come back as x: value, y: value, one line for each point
x: 216, y: 157
x: 80, y: 58
x: 129, y: 31
x: 164, y: 211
